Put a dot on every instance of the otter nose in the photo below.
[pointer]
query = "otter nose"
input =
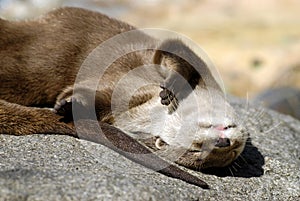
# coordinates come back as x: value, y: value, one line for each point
x: 222, y: 142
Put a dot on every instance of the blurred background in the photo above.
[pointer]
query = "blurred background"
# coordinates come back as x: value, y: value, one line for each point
x: 254, y: 44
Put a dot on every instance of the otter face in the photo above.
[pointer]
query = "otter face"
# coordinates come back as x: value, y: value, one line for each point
x: 206, y: 128
x: 217, y: 150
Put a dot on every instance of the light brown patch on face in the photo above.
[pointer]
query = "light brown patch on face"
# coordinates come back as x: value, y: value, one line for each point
x: 211, y: 157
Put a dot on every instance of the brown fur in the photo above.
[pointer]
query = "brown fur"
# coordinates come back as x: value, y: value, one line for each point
x: 39, y: 63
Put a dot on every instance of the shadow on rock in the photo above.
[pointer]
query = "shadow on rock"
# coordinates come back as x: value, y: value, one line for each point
x: 249, y: 164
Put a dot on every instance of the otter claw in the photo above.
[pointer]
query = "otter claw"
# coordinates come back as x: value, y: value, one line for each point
x: 64, y: 106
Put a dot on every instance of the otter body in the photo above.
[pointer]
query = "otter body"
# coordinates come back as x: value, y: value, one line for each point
x: 39, y: 66
x: 47, y: 53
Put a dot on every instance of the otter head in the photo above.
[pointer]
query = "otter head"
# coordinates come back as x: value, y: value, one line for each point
x: 204, y: 129
x: 200, y: 124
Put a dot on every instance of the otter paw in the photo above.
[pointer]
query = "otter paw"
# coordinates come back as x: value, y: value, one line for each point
x: 166, y: 96
x: 73, y: 106
x: 64, y: 107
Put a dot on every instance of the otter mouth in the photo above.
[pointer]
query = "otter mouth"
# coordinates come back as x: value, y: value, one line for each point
x: 188, y: 160
x: 203, y: 155
x: 218, y: 156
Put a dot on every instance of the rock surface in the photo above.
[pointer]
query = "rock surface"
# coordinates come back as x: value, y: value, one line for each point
x: 44, y: 167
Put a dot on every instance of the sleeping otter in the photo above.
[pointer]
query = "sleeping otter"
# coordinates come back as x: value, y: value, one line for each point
x: 44, y: 64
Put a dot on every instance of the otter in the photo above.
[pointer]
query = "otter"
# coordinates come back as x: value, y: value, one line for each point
x: 182, y: 107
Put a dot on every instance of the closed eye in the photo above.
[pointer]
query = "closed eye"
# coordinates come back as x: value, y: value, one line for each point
x: 230, y: 126
x: 194, y: 150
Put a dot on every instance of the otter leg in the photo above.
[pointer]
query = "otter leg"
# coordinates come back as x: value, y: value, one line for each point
x: 84, y: 103
x: 175, y: 88
x: 21, y: 120
x: 181, y: 75
x: 63, y: 105
x: 66, y: 106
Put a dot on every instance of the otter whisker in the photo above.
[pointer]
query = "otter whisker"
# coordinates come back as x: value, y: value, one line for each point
x: 237, y: 164
x: 231, y: 171
x: 243, y: 159
x: 247, y: 101
x: 259, y: 114
x: 232, y: 165
x: 274, y: 127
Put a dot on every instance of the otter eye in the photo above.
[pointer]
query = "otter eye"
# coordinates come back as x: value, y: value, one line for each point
x: 230, y: 126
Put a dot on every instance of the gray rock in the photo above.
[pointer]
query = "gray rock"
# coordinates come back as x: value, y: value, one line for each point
x: 53, y: 167
x: 285, y: 100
